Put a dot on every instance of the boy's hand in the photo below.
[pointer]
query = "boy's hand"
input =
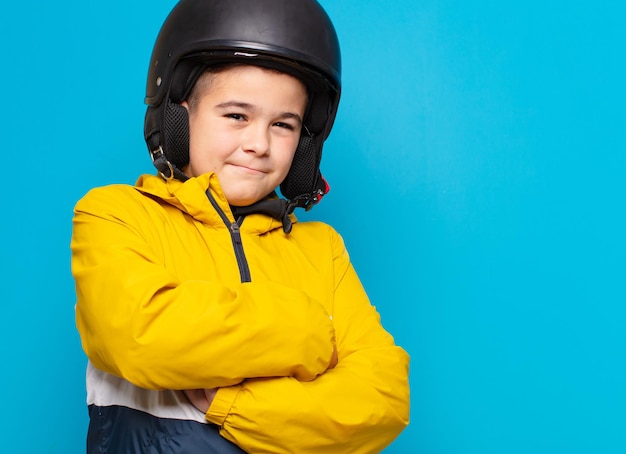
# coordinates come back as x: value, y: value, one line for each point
x: 201, y: 398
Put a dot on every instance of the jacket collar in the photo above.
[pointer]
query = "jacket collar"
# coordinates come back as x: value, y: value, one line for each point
x: 190, y: 197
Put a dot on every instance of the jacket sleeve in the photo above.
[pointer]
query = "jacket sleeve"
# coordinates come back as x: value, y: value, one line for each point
x: 360, y: 406
x: 138, y: 322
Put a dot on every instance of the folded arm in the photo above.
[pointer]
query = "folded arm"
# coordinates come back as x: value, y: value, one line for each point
x: 138, y: 321
x: 360, y: 406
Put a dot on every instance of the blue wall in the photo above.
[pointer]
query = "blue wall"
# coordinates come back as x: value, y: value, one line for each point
x: 477, y: 168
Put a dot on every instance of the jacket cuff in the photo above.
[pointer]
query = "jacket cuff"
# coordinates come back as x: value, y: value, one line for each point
x: 220, y: 407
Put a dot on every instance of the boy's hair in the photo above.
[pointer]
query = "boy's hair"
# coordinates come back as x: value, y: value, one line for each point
x: 292, y: 36
x: 203, y: 84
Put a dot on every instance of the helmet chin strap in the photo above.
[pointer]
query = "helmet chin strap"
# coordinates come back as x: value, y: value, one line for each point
x: 279, y: 209
x: 307, y: 201
x: 165, y: 167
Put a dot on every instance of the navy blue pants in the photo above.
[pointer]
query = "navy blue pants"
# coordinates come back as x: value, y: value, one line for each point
x: 121, y: 430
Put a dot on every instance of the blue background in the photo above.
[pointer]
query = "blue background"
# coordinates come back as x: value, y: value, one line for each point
x: 477, y: 172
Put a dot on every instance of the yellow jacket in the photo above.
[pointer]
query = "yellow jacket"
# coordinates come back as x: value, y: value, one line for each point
x: 160, y: 304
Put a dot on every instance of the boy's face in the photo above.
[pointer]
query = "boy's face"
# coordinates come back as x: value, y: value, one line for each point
x: 245, y: 127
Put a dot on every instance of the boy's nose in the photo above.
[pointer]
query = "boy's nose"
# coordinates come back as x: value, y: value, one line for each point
x: 256, y: 140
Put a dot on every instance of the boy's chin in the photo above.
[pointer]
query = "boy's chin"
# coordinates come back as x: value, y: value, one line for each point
x: 241, y: 200
x: 245, y: 193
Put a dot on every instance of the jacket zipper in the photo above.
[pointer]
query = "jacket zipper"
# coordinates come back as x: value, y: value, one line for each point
x: 235, y: 236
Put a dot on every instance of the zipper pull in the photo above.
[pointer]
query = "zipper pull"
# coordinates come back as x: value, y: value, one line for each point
x: 236, y: 234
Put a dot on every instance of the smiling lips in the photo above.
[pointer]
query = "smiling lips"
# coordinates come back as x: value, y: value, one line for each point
x: 250, y: 169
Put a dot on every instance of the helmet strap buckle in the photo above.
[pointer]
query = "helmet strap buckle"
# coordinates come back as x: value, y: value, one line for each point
x: 166, y: 169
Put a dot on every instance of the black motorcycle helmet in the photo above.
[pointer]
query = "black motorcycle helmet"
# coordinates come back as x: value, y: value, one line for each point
x: 293, y: 36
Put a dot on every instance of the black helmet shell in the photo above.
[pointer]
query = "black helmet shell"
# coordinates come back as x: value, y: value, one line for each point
x: 296, y: 30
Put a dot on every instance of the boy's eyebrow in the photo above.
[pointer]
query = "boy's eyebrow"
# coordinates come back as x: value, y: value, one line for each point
x: 294, y: 116
x: 249, y: 107
x: 240, y: 104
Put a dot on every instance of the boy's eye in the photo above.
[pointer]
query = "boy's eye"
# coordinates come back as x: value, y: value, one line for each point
x: 236, y: 116
x: 288, y: 126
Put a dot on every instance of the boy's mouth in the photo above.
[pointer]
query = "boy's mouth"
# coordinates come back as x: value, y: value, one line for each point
x: 250, y: 169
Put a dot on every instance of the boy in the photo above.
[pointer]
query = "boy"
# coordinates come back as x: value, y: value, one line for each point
x: 213, y: 322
